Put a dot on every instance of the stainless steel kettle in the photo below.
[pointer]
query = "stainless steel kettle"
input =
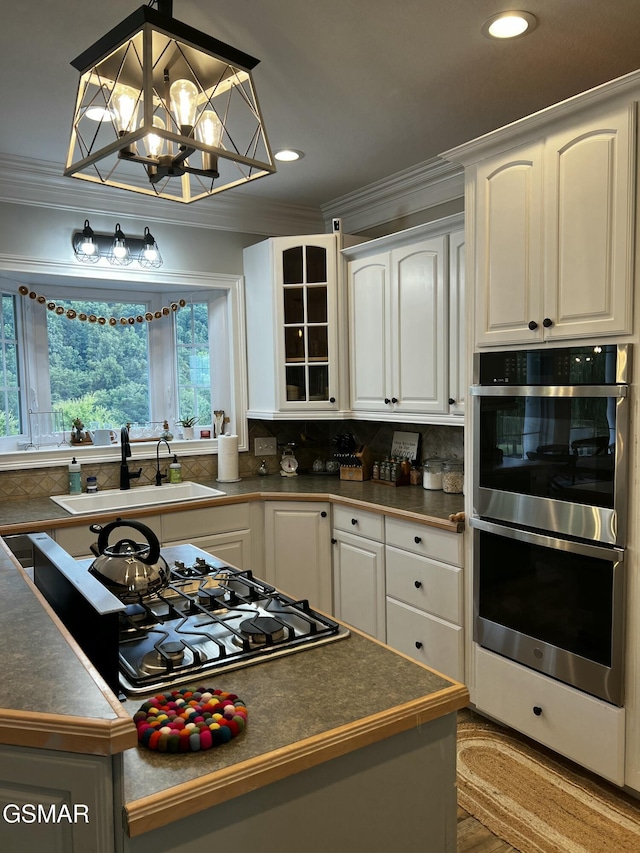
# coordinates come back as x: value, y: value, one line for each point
x: 130, y: 570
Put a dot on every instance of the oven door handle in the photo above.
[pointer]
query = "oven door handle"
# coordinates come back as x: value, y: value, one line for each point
x: 549, y: 390
x: 546, y: 540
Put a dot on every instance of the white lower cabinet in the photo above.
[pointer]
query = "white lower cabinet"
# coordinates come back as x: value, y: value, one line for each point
x: 297, y: 544
x: 424, y: 588
x: 224, y: 532
x: 358, y: 582
x: 581, y: 727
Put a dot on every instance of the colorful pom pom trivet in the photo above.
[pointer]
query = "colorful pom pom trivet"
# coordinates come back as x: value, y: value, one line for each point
x: 190, y: 720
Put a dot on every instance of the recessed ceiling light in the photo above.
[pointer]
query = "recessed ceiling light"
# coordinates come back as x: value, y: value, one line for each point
x: 288, y: 155
x: 98, y: 113
x: 509, y: 25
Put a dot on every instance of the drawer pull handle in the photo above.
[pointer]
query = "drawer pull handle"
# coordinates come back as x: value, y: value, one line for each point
x: 354, y: 521
x: 323, y: 514
x: 418, y: 644
x: 417, y: 539
x: 417, y: 584
x: 387, y: 400
x: 537, y: 710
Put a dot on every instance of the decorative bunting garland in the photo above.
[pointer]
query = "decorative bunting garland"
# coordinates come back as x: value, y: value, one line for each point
x: 71, y: 314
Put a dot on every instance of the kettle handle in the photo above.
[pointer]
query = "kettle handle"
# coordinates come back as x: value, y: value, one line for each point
x: 152, y: 539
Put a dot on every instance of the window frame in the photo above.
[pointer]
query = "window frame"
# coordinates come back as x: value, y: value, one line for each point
x: 225, y: 295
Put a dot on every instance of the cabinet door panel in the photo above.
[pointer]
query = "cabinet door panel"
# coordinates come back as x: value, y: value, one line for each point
x: 588, y: 214
x: 369, y: 325
x: 419, y: 313
x: 509, y: 247
x: 298, y: 551
x: 358, y: 571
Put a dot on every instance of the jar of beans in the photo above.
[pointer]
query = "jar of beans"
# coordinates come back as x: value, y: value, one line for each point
x: 452, y: 476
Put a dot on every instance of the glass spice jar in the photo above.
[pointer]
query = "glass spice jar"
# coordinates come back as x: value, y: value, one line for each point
x: 452, y: 477
x: 432, y: 474
x: 415, y: 476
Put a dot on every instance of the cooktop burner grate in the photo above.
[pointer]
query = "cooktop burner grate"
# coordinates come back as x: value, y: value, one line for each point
x: 212, y: 618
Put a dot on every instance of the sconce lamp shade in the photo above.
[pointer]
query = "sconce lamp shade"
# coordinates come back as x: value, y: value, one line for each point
x: 165, y: 110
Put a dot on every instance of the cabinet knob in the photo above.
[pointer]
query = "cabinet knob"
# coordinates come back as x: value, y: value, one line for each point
x: 332, y: 399
x: 533, y: 325
x: 451, y: 401
x: 418, y: 644
x: 417, y: 584
x: 394, y: 399
x: 323, y: 514
x: 547, y: 322
x: 417, y: 539
x: 354, y: 521
x: 387, y: 400
x: 333, y: 541
x: 537, y: 710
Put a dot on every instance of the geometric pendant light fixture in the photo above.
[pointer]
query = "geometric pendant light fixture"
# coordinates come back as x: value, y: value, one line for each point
x: 165, y: 110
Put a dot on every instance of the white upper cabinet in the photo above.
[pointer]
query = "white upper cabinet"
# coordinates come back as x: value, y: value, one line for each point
x: 589, y: 206
x: 554, y: 228
x: 400, y: 305
x: 293, y: 302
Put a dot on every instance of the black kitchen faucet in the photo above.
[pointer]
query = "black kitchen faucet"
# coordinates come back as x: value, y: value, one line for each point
x: 125, y: 451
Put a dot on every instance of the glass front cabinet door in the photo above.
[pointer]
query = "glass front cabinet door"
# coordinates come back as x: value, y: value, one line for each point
x: 293, y: 364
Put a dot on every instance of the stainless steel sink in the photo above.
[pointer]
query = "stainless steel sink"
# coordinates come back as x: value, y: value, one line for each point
x: 116, y: 499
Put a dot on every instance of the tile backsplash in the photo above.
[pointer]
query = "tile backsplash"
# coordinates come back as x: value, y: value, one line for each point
x: 312, y: 439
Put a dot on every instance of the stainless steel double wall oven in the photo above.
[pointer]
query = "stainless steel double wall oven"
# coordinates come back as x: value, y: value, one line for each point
x: 549, y: 499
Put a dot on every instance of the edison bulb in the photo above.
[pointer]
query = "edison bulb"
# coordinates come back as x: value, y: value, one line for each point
x: 209, y: 129
x: 154, y: 143
x: 124, y: 104
x: 184, y: 100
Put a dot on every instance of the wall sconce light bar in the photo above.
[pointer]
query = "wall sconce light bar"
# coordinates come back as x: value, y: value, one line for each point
x: 117, y: 249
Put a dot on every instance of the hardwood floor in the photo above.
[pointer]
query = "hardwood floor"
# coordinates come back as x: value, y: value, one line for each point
x: 473, y: 837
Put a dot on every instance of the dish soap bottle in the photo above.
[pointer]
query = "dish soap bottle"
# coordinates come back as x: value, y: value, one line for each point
x: 175, y: 471
x: 75, y: 477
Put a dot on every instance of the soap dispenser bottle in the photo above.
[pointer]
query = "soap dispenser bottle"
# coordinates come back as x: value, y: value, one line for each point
x: 175, y: 471
x: 75, y: 477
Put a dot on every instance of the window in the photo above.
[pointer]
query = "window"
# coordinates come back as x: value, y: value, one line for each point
x: 194, y: 375
x: 98, y: 371
x: 10, y: 409
x: 78, y: 361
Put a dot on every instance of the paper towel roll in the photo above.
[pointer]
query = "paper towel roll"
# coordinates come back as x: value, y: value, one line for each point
x: 227, y: 459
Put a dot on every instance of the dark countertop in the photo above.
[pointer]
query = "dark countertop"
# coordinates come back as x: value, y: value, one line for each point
x: 304, y: 709
x: 412, y: 502
x: 52, y: 696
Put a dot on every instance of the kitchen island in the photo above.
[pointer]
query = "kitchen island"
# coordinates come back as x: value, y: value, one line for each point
x: 349, y: 745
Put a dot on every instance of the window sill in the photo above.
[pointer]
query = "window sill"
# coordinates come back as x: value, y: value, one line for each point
x: 47, y: 457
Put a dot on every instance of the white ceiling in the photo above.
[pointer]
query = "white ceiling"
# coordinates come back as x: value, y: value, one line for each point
x: 366, y: 88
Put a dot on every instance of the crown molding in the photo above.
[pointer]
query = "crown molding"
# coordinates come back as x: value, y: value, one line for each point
x: 41, y: 184
x: 425, y: 185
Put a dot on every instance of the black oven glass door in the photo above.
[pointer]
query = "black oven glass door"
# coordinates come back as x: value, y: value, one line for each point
x: 551, y: 604
x: 560, y: 447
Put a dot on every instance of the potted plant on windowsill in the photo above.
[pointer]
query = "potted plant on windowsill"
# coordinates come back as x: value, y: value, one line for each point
x: 187, y: 425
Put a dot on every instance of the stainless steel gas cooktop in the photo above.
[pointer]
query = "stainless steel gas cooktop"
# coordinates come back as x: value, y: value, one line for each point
x: 212, y: 618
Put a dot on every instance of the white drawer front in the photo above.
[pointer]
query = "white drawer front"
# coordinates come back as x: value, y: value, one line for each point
x: 425, y: 638
x: 182, y: 526
x: 425, y: 584
x: 358, y: 521
x: 426, y: 541
x: 584, y: 729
